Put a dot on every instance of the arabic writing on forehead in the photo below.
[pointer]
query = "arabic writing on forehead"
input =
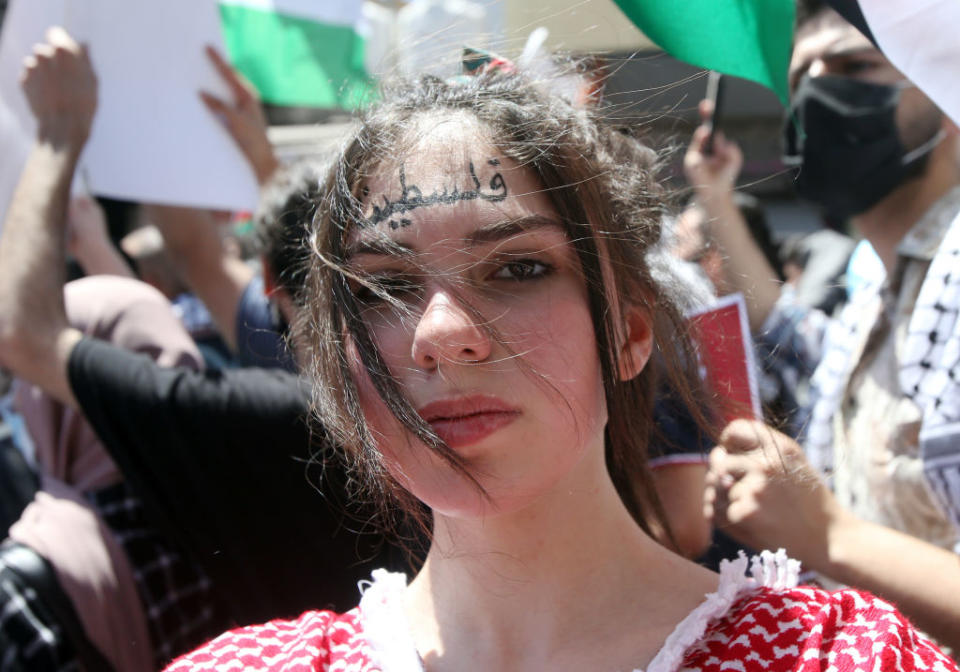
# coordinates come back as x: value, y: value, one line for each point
x: 411, y: 197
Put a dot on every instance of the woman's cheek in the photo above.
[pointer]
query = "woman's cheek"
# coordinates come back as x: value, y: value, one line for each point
x: 570, y: 360
x: 386, y: 431
x: 375, y: 411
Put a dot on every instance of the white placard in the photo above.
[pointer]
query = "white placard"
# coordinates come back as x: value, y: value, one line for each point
x: 152, y: 139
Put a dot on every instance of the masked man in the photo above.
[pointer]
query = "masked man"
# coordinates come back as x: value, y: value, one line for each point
x: 885, y: 426
x: 873, y: 148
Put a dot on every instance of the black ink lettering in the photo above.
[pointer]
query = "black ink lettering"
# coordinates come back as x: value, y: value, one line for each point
x: 473, y: 176
x: 411, y: 197
x: 497, y: 184
x: 398, y: 223
x: 405, y: 191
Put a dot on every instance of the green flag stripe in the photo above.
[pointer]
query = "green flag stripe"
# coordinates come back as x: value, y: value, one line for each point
x: 746, y: 38
x: 294, y: 61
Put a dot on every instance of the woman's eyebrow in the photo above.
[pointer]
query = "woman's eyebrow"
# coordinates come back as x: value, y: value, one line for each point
x: 489, y: 233
x: 498, y: 231
x: 380, y: 246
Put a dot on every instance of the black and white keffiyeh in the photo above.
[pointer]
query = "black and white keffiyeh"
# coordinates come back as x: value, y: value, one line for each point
x: 929, y: 373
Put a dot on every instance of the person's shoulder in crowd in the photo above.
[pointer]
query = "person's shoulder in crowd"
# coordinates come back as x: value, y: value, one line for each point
x: 261, y: 330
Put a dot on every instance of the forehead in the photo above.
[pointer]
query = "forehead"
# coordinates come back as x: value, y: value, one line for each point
x: 430, y: 147
x: 447, y: 177
x: 824, y: 35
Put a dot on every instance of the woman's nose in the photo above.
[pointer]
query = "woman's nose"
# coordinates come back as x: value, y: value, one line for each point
x: 449, y: 331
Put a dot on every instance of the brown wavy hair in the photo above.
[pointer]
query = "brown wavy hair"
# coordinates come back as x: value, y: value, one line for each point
x: 601, y: 181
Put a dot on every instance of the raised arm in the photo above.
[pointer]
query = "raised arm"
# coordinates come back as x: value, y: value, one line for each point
x: 89, y: 242
x: 762, y: 490
x: 35, y: 338
x: 712, y: 177
x: 195, y: 246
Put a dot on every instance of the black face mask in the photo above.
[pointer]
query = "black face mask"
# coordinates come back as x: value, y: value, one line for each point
x: 843, y: 134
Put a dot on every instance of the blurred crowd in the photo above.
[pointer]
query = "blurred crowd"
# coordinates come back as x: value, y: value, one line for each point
x: 161, y: 480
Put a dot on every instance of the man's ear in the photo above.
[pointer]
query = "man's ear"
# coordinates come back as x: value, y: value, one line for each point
x: 638, y: 344
x: 269, y: 280
x: 278, y: 295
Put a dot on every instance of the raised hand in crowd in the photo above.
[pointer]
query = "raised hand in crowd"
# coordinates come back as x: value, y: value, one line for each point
x: 88, y: 240
x: 243, y: 117
x: 712, y: 177
x: 61, y: 87
x: 762, y: 491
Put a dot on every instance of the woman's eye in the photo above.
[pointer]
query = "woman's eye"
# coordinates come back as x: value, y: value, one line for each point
x: 522, y: 269
x: 380, y: 289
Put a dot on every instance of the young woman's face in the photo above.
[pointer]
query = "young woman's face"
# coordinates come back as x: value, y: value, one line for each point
x: 481, y: 249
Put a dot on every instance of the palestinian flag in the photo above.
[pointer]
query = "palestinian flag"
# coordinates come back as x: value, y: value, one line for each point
x: 298, y: 52
x: 746, y: 38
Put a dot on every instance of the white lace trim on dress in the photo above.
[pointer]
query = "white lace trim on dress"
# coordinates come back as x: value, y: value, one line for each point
x: 391, y: 645
x: 768, y: 570
x: 385, y: 623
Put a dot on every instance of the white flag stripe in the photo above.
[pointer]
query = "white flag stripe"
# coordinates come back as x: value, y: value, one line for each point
x: 334, y: 12
x: 920, y: 38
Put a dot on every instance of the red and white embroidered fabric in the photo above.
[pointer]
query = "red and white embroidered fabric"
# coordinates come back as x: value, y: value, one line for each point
x: 318, y: 640
x: 808, y: 629
x: 748, y: 625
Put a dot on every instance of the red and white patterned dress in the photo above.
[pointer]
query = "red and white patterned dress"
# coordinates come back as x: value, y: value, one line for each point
x: 758, y: 624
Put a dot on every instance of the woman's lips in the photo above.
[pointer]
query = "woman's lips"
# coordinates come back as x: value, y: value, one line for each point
x: 468, y: 420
